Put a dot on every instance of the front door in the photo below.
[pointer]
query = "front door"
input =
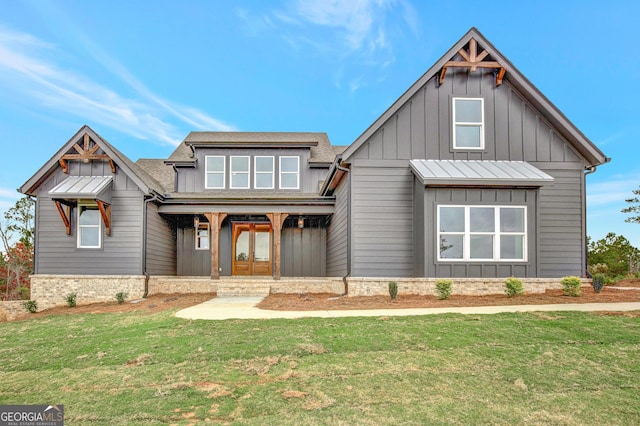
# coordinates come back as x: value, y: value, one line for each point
x: 251, y: 249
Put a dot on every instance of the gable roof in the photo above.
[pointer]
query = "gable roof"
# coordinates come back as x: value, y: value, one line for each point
x: 144, y: 181
x: 587, y: 148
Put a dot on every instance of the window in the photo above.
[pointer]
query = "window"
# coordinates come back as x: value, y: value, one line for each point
x: 263, y: 172
x: 240, y: 172
x: 482, y: 233
x: 202, y: 236
x: 89, y: 228
x: 214, y: 172
x: 289, y: 172
x: 468, y: 123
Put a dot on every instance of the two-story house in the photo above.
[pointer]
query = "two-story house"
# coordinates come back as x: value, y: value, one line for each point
x: 471, y: 174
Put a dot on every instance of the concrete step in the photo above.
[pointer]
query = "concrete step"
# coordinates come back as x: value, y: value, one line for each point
x: 244, y: 288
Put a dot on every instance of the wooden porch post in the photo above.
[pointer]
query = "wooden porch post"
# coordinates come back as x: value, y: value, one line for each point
x: 215, y: 222
x: 277, y: 220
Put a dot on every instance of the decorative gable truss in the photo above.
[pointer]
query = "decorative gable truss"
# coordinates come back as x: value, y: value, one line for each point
x: 85, y: 154
x: 473, y: 60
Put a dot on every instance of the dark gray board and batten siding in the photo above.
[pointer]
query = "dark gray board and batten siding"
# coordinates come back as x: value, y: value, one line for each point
x: 337, y: 234
x: 121, y: 253
x: 421, y: 129
x: 161, y: 243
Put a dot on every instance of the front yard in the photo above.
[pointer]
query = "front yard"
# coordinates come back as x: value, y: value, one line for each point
x: 152, y: 368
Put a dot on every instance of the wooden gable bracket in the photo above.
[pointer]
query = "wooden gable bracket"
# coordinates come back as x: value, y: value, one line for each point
x: 105, y: 212
x: 65, y: 214
x: 85, y: 154
x: 474, y: 60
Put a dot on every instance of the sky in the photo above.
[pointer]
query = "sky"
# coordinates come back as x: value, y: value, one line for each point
x: 143, y: 74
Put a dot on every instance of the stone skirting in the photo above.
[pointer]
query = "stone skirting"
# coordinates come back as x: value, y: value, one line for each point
x: 463, y: 286
x: 172, y: 284
x: 10, y: 309
x: 52, y: 290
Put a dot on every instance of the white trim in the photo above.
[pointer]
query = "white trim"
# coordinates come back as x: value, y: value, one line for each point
x: 496, y: 234
x: 256, y: 172
x: 79, y: 226
x: 232, y: 172
x: 297, y: 172
x: 198, y: 245
x: 217, y: 172
x: 467, y: 124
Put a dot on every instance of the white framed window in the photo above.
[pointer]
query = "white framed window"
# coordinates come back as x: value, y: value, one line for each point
x: 202, y: 236
x: 482, y: 233
x: 263, y: 176
x: 468, y: 123
x: 289, y: 172
x: 214, y: 172
x: 240, y: 170
x: 89, y: 226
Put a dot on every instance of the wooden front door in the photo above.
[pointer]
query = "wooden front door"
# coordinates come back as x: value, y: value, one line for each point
x: 251, y: 249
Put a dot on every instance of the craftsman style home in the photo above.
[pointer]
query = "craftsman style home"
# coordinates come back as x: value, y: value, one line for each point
x: 471, y: 174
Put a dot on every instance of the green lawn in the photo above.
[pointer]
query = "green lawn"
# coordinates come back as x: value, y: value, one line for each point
x: 538, y: 368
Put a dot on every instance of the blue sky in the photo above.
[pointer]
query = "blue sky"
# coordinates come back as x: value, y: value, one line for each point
x: 145, y: 73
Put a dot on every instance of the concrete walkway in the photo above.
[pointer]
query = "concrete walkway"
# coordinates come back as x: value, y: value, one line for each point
x: 223, y: 308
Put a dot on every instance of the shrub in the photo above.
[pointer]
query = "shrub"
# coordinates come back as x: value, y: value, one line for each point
x: 24, y: 292
x: 598, y: 282
x: 571, y: 286
x: 598, y: 268
x: 443, y: 289
x: 120, y: 297
x: 513, y: 287
x: 71, y: 299
x: 31, y: 306
x: 393, y: 290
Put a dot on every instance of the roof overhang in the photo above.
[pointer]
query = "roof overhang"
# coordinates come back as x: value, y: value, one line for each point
x: 482, y: 173
x: 83, y: 188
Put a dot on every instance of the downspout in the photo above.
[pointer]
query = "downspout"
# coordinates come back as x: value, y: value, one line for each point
x: 348, y: 274
x: 588, y: 171
x: 35, y: 233
x: 154, y: 197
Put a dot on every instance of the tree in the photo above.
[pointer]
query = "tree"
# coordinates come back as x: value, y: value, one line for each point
x: 634, y: 208
x: 615, y: 251
x: 17, y: 236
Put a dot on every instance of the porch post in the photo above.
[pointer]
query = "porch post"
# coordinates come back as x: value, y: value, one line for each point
x: 277, y: 220
x: 215, y: 222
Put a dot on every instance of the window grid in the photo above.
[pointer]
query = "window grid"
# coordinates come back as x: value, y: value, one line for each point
x: 468, y: 124
x: 238, y: 174
x: 86, y: 228
x: 497, y: 234
x: 285, y: 174
x: 214, y: 173
x: 261, y: 173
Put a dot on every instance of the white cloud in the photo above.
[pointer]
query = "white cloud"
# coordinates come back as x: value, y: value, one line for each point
x: 612, y: 191
x: 25, y: 69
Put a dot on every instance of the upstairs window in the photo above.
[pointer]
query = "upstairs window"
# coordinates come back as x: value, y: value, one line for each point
x: 263, y: 172
x: 468, y: 123
x: 482, y: 233
x: 289, y: 172
x: 214, y: 172
x: 89, y: 228
x: 202, y: 236
x: 240, y: 172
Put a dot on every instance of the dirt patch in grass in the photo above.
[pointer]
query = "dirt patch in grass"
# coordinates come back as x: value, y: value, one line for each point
x: 152, y: 304
x: 314, y: 302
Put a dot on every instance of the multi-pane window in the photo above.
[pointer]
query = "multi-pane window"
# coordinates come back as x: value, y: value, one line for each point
x: 468, y: 123
x: 289, y: 172
x: 214, y: 172
x: 263, y: 169
x: 240, y: 172
x: 202, y: 236
x: 482, y: 233
x: 89, y: 228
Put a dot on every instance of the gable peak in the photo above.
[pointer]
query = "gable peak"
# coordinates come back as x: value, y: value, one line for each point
x: 473, y: 56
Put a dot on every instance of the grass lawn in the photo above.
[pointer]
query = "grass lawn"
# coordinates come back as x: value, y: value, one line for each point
x: 134, y: 368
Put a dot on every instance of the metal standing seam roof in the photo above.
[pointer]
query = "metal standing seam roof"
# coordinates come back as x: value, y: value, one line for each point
x: 479, y: 172
x: 78, y: 187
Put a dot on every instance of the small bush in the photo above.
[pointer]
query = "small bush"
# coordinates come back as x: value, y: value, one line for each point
x: 443, y: 289
x: 513, y: 287
x: 71, y: 300
x: 31, y: 306
x: 598, y: 282
x: 120, y: 297
x: 571, y: 286
x: 598, y: 268
x: 393, y: 290
x: 24, y: 292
